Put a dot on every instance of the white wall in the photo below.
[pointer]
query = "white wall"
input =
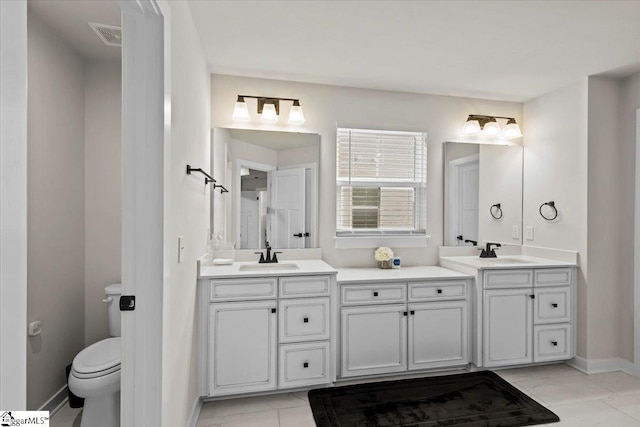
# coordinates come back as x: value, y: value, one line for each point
x: 326, y: 107
x: 555, y: 168
x: 56, y: 238
x: 187, y: 210
x: 102, y: 161
x: 629, y: 101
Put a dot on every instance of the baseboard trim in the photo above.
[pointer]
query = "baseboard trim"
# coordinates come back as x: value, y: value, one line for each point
x: 195, y: 412
x: 56, y: 401
x: 597, y: 366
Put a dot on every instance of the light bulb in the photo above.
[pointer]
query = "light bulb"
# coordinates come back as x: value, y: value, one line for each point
x: 512, y: 130
x: 240, y: 111
x: 296, y: 116
x: 471, y: 127
x: 269, y: 114
x: 491, y: 128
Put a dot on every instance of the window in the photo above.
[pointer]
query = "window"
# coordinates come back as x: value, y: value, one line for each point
x: 381, y: 179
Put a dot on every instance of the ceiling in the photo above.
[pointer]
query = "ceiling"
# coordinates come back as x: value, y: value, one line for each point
x: 70, y: 20
x: 508, y: 50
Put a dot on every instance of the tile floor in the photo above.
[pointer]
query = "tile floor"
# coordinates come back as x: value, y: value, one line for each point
x: 600, y: 400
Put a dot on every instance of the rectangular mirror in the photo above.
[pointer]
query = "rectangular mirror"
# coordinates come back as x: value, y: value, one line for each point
x: 272, y: 178
x: 482, y: 193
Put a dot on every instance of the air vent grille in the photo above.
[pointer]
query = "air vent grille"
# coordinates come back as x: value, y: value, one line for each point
x: 109, y: 34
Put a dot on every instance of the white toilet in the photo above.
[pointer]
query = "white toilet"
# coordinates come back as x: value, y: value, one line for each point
x: 95, y: 372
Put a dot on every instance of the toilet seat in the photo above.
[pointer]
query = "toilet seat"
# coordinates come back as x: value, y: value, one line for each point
x: 98, y: 360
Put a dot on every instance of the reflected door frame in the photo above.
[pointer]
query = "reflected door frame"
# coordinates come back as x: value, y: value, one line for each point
x: 636, y: 273
x: 237, y: 189
x: 454, y: 185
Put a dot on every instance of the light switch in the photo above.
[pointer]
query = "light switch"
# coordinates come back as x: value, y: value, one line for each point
x: 180, y: 249
x: 515, y: 232
x: 529, y: 233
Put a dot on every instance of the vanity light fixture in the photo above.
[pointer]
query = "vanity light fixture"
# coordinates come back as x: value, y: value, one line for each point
x: 269, y: 109
x: 479, y: 124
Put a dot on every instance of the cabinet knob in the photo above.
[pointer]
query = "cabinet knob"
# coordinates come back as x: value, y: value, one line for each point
x: 305, y: 320
x: 273, y: 310
x: 405, y: 313
x: 439, y: 291
x: 375, y: 293
x: 412, y: 312
x: 532, y: 296
x: 554, y: 305
x: 305, y: 365
x: 554, y: 343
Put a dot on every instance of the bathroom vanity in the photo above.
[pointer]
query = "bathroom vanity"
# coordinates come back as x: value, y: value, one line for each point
x: 524, y: 309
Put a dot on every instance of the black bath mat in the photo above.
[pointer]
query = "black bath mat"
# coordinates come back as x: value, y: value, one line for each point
x: 471, y: 400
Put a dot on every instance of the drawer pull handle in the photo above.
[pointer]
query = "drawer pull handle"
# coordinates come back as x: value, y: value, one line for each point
x: 554, y: 305
x: 405, y: 313
x: 554, y: 343
x: 532, y: 296
x: 273, y: 310
x: 412, y: 312
x: 375, y: 293
x: 305, y: 365
x: 305, y: 320
x: 439, y: 291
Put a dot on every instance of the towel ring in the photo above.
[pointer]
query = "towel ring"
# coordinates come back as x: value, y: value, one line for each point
x: 497, y: 209
x: 552, y: 205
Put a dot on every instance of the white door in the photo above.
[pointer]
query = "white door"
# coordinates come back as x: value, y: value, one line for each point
x: 507, y: 327
x: 249, y: 220
x: 374, y: 340
x: 242, y: 347
x: 468, y: 189
x: 286, y: 208
x: 438, y: 334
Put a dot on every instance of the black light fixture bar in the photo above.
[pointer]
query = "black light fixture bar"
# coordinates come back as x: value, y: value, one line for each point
x: 484, y: 119
x: 208, y: 178
x: 262, y: 100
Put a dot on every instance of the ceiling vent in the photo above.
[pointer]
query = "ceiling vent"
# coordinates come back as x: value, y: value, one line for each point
x: 109, y: 34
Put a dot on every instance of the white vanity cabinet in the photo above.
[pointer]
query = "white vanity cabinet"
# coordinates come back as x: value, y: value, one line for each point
x: 527, y: 316
x: 393, y: 327
x: 262, y: 334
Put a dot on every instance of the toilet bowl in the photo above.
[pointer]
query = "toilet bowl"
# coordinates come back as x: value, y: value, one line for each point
x: 95, y: 372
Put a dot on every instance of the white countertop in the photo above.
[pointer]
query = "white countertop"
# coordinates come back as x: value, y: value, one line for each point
x: 503, y: 262
x: 356, y: 275
x: 305, y: 267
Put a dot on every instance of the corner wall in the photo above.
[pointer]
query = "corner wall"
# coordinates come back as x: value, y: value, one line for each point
x: 326, y: 107
x: 56, y: 239
x: 187, y: 214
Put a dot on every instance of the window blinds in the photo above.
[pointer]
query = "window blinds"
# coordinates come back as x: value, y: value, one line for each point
x: 381, y: 181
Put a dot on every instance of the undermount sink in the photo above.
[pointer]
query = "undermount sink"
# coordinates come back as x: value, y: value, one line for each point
x: 492, y: 261
x: 269, y: 266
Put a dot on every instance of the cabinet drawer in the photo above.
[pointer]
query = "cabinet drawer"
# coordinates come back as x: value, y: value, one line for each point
x: 373, y: 293
x: 304, y: 286
x: 304, y: 319
x: 446, y: 290
x: 552, y: 305
x: 551, y: 342
x: 236, y: 289
x: 508, y: 278
x: 304, y: 364
x: 553, y: 277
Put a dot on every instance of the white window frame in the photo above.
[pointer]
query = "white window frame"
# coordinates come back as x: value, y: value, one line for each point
x: 372, y: 239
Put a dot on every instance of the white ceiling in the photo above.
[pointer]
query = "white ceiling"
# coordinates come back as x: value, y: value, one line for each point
x: 70, y: 18
x: 509, y: 50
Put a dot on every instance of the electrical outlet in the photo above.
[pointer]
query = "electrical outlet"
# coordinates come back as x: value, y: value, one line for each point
x: 529, y: 233
x: 180, y: 249
x: 515, y: 232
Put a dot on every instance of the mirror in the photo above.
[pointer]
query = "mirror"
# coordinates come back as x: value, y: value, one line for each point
x: 272, y: 178
x: 482, y: 193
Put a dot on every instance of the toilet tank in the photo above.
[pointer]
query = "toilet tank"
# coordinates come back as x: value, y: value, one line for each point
x: 113, y: 292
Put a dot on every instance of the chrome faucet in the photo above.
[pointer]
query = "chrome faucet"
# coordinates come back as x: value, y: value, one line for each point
x: 488, y: 252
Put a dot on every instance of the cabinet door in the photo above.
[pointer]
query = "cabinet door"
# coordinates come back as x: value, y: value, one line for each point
x: 242, y: 347
x: 507, y: 327
x: 374, y: 340
x: 438, y: 334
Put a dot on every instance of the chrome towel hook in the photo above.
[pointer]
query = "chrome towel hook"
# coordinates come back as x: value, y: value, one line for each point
x: 552, y: 205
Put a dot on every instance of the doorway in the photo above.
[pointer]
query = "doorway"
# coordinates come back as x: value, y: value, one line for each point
x: 463, y: 200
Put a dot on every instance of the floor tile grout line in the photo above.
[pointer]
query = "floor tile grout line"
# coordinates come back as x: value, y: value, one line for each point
x: 622, y: 412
